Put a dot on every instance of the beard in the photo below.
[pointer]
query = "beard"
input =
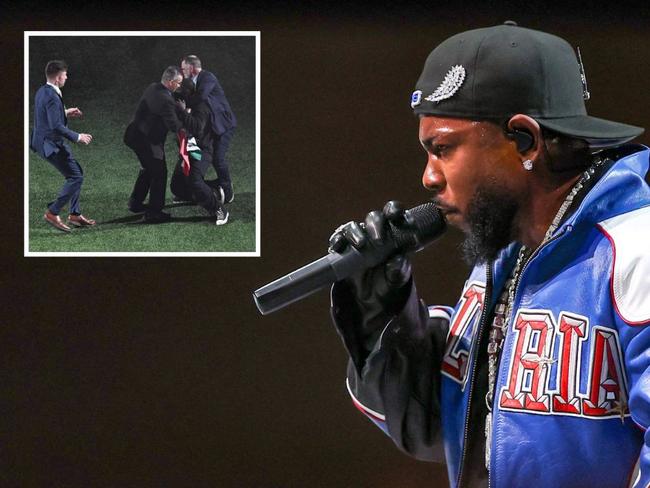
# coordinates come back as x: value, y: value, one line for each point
x: 490, y: 224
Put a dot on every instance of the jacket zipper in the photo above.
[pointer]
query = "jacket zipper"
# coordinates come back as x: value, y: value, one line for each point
x: 486, y: 302
x: 512, y: 311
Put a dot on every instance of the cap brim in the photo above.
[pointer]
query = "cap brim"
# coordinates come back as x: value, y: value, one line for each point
x: 598, y: 132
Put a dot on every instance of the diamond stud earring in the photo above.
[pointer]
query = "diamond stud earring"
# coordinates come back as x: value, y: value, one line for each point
x: 528, y: 164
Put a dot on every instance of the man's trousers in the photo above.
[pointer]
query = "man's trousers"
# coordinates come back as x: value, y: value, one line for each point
x: 194, y: 186
x: 152, y: 177
x: 219, y: 148
x: 71, y: 189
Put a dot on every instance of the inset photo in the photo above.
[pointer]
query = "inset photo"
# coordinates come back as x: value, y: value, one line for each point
x: 142, y: 143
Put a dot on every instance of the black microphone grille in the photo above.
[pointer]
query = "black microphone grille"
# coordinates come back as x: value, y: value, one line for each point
x: 426, y: 224
x: 427, y: 220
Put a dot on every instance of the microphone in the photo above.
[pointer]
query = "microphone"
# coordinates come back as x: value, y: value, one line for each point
x: 426, y: 224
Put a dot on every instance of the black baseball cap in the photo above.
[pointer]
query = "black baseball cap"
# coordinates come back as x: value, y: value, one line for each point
x: 500, y: 71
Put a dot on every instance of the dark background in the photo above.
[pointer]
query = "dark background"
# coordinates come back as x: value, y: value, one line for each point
x: 161, y: 372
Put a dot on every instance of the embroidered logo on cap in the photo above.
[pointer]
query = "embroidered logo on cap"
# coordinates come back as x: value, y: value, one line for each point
x: 450, y: 85
x: 416, y: 98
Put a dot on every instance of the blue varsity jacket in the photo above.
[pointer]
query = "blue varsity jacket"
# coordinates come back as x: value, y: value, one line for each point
x: 572, y: 400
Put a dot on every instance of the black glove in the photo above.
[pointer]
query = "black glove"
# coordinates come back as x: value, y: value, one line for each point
x: 381, y: 290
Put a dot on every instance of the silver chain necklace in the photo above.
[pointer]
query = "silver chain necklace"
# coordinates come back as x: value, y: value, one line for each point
x: 503, y: 307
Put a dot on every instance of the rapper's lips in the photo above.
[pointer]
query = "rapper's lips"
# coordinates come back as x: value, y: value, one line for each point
x: 445, y: 209
x: 452, y: 214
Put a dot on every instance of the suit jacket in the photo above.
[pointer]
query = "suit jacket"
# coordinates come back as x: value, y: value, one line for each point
x: 155, y: 116
x: 50, y: 123
x: 210, y: 91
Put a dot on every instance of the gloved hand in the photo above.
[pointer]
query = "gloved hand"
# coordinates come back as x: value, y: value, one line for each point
x: 384, y: 287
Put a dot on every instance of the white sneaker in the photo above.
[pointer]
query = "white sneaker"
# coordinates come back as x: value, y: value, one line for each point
x: 222, y: 216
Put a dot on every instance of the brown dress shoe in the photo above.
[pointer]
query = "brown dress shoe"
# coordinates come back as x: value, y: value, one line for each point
x: 80, y: 221
x: 55, y: 221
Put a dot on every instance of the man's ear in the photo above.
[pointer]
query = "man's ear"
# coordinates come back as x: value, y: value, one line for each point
x: 527, y: 135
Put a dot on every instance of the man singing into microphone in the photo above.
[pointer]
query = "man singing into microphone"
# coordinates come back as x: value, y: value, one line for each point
x: 540, y: 374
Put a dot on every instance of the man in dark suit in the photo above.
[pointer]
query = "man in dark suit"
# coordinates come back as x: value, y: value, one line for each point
x: 49, y: 141
x: 156, y: 115
x: 222, y: 119
x: 200, y: 136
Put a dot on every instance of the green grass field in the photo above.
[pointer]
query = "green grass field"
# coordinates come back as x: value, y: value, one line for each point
x: 110, y: 169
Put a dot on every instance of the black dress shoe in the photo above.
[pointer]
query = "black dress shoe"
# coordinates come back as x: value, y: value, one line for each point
x: 229, y: 194
x: 137, y: 207
x: 177, y: 199
x: 156, y: 217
